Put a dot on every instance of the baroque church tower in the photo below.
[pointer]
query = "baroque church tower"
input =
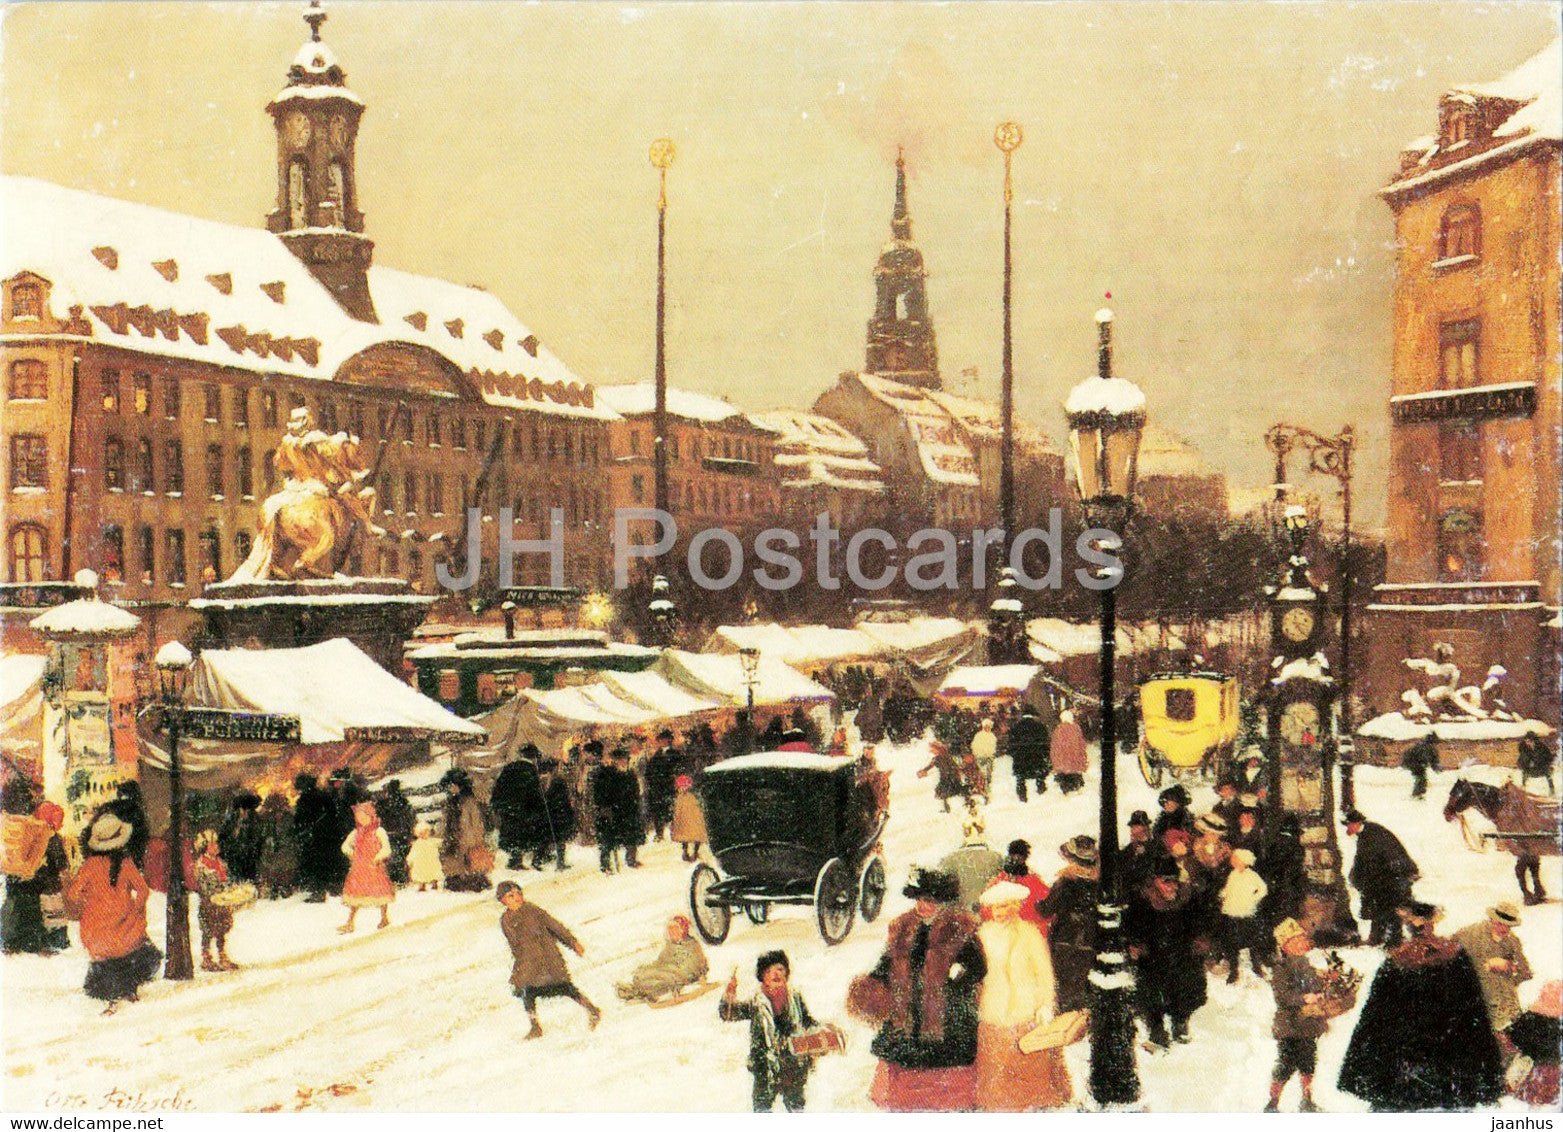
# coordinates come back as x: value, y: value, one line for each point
x: 901, y: 342
x: 317, y: 216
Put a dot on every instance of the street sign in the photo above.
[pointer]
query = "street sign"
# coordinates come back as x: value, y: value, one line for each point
x: 248, y: 726
x: 526, y: 596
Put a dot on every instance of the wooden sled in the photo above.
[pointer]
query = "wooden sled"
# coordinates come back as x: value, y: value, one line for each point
x: 686, y: 994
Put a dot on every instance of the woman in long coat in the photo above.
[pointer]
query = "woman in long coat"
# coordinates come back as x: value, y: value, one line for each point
x: 1066, y: 751
x: 1017, y: 995
x: 923, y: 996
x: 689, y: 820
x: 110, y: 894
x: 1162, y: 926
x: 22, y: 924
x: 1422, y: 1040
x: 464, y: 852
x: 1071, y: 905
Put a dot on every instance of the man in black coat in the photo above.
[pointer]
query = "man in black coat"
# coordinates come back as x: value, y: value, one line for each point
x: 344, y: 795
x: 1382, y: 873
x: 559, y: 810
x: 313, y: 828
x: 661, y: 783
x: 616, y: 800
x: 1419, y: 758
x: 1028, y: 752
x: 517, y: 802
x: 398, y: 820
x: 239, y: 839
x: 1161, y: 925
x: 1137, y: 859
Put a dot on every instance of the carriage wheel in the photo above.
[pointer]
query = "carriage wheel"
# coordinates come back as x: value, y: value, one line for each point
x: 872, y: 886
x: 712, y: 921
x: 757, y: 912
x: 1150, y: 768
x: 835, y: 901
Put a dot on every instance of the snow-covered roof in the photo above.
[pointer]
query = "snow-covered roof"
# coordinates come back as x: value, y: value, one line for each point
x: 988, y: 680
x: 942, y: 447
x: 655, y: 692
x: 1537, y: 118
x: 1395, y: 727
x: 1066, y: 639
x: 779, y: 760
x: 798, y: 429
x: 813, y: 450
x: 84, y: 618
x: 639, y: 399
x: 170, y: 285
x: 333, y: 688
x: 918, y: 634
x: 712, y: 674
x: 985, y: 419
x: 798, y: 644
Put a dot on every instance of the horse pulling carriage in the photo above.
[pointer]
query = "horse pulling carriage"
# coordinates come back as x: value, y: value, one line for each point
x: 789, y: 828
x: 1189, y: 725
x: 1527, y: 826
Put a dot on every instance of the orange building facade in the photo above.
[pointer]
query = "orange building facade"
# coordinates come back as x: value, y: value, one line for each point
x: 1473, y: 538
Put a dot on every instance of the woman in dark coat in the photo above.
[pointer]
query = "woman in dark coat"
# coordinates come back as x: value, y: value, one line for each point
x: 314, y: 835
x: 1162, y: 926
x: 1071, y: 905
x: 239, y: 840
x: 1174, y: 802
x: 923, y: 997
x: 22, y: 926
x: 397, y: 819
x: 464, y: 853
x: 1423, y: 1040
x: 517, y: 802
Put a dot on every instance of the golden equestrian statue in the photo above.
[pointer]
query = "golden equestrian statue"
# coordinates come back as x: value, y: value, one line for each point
x: 306, y: 522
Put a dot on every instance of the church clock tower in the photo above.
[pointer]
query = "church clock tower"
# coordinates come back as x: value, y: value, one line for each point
x: 900, y: 335
x: 317, y: 215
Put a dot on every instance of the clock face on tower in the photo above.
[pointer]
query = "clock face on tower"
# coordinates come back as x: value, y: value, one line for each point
x: 338, y: 132
x: 1300, y: 723
x: 1297, y: 623
x: 297, y: 129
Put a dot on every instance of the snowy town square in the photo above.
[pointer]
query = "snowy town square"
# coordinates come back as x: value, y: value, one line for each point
x: 838, y: 558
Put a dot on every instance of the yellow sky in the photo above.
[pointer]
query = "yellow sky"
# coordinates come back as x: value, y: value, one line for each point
x: 1213, y: 165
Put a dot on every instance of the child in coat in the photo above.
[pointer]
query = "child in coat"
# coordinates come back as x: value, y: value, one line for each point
x: 423, y: 859
x: 1241, y: 896
x: 368, y: 884
x: 775, y: 1014
x: 211, y: 876
x: 1298, y: 1023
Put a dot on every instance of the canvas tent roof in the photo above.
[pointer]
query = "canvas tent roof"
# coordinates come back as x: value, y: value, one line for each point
x: 722, y: 676
x: 987, y: 680
x: 21, y: 707
x: 923, y: 641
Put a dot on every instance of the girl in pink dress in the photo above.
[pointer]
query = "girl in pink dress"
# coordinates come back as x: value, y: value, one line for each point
x: 368, y: 885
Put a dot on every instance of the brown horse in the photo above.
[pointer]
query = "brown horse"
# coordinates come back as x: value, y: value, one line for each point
x: 1527, y: 826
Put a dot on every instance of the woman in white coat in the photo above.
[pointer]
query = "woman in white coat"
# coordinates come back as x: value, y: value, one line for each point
x: 1018, y: 994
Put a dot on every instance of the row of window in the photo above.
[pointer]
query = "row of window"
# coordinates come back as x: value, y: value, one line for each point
x: 700, y: 498
x: 115, y: 567
x: 729, y: 448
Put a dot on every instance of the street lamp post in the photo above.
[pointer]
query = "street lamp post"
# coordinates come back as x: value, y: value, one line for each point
x: 1006, y: 614
x: 1106, y: 417
x: 1329, y: 456
x: 173, y: 663
x: 750, y: 659
x: 661, y: 156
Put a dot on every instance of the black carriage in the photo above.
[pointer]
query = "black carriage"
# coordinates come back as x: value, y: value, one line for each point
x: 789, y: 827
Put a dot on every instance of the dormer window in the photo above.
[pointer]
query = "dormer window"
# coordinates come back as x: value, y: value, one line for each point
x: 1460, y: 234
x: 26, y: 300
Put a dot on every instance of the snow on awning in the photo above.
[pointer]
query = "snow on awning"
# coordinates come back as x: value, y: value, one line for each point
x: 988, y: 680
x: 712, y: 674
x: 652, y: 691
x: 1067, y: 639
x: 84, y: 619
x: 21, y: 707
x: 797, y: 644
x: 338, y: 693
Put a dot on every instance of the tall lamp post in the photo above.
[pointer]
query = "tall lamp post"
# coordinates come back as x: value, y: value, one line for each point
x: 173, y: 663
x: 749, y: 658
x: 1106, y: 417
x: 1006, y: 614
x: 1329, y: 456
x: 661, y: 156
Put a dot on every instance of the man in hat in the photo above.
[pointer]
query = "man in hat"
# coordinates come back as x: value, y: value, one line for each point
x: 1250, y: 773
x: 974, y: 864
x: 399, y: 821
x: 1536, y: 757
x: 1070, y: 911
x: 1228, y: 804
x: 1383, y: 873
x: 1174, y: 802
x: 1419, y: 758
x: 923, y: 996
x: 1028, y: 752
x: 1500, y: 962
x: 1136, y: 858
x: 517, y: 802
x: 616, y: 799
x: 1297, y: 1028
x: 538, y: 970
x: 1422, y: 1040
x: 559, y: 808
x: 661, y: 783
x: 1162, y: 926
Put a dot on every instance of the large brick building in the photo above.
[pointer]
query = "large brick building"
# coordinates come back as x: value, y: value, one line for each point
x: 1474, y: 436
x: 152, y: 360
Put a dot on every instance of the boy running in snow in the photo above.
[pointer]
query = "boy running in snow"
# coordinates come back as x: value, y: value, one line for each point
x: 539, y: 971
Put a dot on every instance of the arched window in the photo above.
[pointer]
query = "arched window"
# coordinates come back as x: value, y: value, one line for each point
x: 113, y: 553
x: 114, y: 464
x: 338, y: 175
x: 1461, y: 232
x: 143, y: 469
x: 29, y: 545
x: 26, y: 301
x: 298, y: 203
x: 29, y: 380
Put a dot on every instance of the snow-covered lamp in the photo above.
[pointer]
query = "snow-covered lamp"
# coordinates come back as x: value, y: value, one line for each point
x: 1106, y: 417
x: 173, y: 662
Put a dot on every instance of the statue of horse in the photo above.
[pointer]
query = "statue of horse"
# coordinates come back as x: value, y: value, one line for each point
x: 1527, y: 827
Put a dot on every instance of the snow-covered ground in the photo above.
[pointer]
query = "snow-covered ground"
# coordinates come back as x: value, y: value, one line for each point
x: 420, y: 1017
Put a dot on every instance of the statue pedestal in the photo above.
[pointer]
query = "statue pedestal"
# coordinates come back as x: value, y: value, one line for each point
x: 376, y: 614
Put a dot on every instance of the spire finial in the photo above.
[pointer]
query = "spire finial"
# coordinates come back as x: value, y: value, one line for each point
x: 900, y: 221
x: 314, y: 16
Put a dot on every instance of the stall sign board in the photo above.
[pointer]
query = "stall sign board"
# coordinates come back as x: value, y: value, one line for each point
x: 246, y: 726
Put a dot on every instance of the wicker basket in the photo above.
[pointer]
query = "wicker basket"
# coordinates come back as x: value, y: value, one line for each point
x: 24, y: 842
x: 235, y: 896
